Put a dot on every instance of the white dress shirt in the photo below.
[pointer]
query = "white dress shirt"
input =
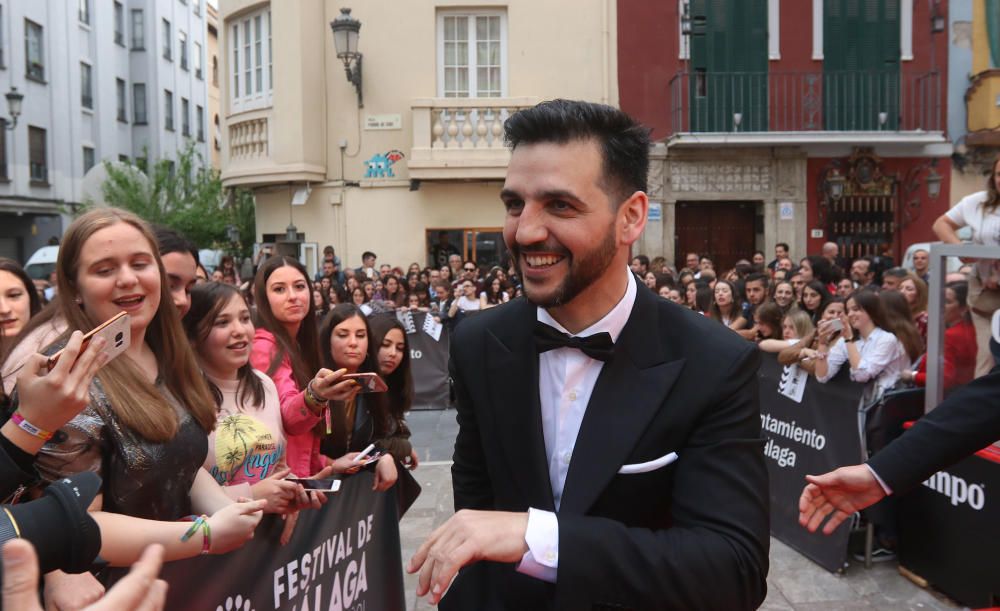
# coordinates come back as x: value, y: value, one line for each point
x: 566, y: 379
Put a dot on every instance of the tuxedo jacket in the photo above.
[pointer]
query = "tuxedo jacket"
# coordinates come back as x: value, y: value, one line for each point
x: 691, y: 535
x: 964, y: 423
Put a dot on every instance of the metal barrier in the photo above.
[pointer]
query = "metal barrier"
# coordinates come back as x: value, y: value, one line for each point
x: 935, y: 311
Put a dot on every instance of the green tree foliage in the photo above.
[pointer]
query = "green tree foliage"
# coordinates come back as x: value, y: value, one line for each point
x: 187, y: 195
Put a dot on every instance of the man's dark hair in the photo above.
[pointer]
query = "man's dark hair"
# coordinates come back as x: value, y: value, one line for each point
x: 897, y: 272
x: 757, y: 278
x: 643, y: 260
x: 168, y: 240
x: 367, y: 254
x: 783, y: 245
x: 624, y: 143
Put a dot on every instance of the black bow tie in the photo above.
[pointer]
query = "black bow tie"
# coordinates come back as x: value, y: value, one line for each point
x: 598, y: 346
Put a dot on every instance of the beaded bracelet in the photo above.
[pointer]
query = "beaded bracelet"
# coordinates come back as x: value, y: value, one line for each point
x: 31, y: 429
x: 200, y: 522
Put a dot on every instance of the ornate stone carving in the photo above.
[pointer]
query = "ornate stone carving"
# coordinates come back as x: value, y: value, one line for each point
x: 720, y: 177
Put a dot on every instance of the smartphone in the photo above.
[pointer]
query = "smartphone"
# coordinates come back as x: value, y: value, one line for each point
x: 328, y: 486
x: 371, y: 458
x: 370, y: 382
x: 117, y: 333
x: 834, y: 325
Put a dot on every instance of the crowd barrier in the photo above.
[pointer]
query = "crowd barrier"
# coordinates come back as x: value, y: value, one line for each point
x: 342, y: 557
x: 428, y: 360
x: 949, y: 529
x: 808, y: 428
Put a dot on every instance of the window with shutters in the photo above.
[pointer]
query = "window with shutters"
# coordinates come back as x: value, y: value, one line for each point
x: 250, y: 65
x: 89, y: 158
x: 4, y: 176
x: 168, y: 41
x: 34, y: 55
x: 83, y: 11
x: 196, y: 56
x: 861, y: 54
x: 138, y: 30
x: 38, y: 166
x: 168, y: 110
x: 182, y: 45
x: 728, y: 87
x: 199, y: 117
x: 472, y: 54
x: 119, y: 24
x: 185, y: 117
x: 139, y: 103
x: 120, y: 96
x: 86, y: 86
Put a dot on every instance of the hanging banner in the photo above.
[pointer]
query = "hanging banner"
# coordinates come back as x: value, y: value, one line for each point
x: 811, y: 430
x: 429, y: 363
x: 343, y: 556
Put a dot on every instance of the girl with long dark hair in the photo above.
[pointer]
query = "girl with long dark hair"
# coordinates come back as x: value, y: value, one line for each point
x: 359, y: 419
x: 19, y: 301
x: 393, y: 360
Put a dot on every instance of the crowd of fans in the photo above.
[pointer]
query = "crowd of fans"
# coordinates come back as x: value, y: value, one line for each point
x: 813, y: 310
x: 230, y: 389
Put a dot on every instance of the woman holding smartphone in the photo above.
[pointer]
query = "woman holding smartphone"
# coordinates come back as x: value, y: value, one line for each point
x: 362, y: 418
x: 394, y: 367
x: 149, y: 410
x: 875, y: 356
x: 286, y: 349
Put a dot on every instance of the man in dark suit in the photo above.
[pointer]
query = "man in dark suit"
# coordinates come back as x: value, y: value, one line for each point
x: 964, y: 423
x: 609, y: 451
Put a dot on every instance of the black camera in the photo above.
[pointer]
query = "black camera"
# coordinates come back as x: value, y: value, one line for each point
x: 58, y: 525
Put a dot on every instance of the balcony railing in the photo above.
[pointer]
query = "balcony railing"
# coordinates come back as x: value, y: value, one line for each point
x: 248, y: 140
x: 458, y: 138
x: 723, y: 102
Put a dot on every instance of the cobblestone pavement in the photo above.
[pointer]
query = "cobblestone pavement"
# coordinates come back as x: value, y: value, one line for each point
x: 794, y: 583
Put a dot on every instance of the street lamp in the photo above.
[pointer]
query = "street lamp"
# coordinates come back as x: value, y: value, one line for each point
x: 345, y: 40
x: 933, y: 184
x: 835, y: 184
x: 14, y: 98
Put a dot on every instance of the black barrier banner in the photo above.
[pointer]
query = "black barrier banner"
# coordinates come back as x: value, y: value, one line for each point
x: 342, y: 557
x: 811, y: 436
x: 949, y: 528
x: 428, y: 365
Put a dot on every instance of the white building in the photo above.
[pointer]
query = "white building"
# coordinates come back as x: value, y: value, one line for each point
x: 102, y: 80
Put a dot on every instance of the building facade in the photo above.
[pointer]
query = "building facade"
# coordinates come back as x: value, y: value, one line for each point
x: 975, y: 113
x: 102, y: 80
x: 424, y: 154
x: 789, y: 121
x: 214, y: 104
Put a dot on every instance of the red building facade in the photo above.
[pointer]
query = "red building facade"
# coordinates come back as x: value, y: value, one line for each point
x: 798, y: 121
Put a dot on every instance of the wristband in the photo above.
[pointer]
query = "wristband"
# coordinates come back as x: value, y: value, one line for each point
x: 29, y: 428
x: 312, y: 398
x: 206, y: 531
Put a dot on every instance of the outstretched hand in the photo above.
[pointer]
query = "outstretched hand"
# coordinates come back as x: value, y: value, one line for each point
x: 468, y: 536
x: 837, y: 494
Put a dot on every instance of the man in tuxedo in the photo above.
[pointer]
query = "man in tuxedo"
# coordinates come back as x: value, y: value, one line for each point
x: 964, y: 423
x: 609, y: 451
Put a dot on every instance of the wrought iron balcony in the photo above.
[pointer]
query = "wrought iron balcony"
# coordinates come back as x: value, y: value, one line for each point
x: 861, y: 101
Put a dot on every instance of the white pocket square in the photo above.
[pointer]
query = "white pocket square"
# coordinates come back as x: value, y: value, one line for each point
x: 644, y: 467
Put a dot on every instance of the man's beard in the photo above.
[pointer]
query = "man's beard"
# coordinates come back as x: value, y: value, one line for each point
x: 581, y: 274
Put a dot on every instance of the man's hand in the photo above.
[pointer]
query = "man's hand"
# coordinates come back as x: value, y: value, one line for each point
x: 841, y: 493
x: 139, y: 590
x: 468, y: 536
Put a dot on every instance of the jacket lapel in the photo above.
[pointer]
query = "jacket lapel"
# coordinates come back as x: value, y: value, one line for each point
x: 512, y: 364
x: 629, y: 392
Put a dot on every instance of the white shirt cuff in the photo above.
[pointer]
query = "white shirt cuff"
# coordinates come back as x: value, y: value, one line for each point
x: 541, y: 561
x: 885, y: 487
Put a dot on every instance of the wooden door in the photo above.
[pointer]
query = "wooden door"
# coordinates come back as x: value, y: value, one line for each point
x: 722, y: 230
